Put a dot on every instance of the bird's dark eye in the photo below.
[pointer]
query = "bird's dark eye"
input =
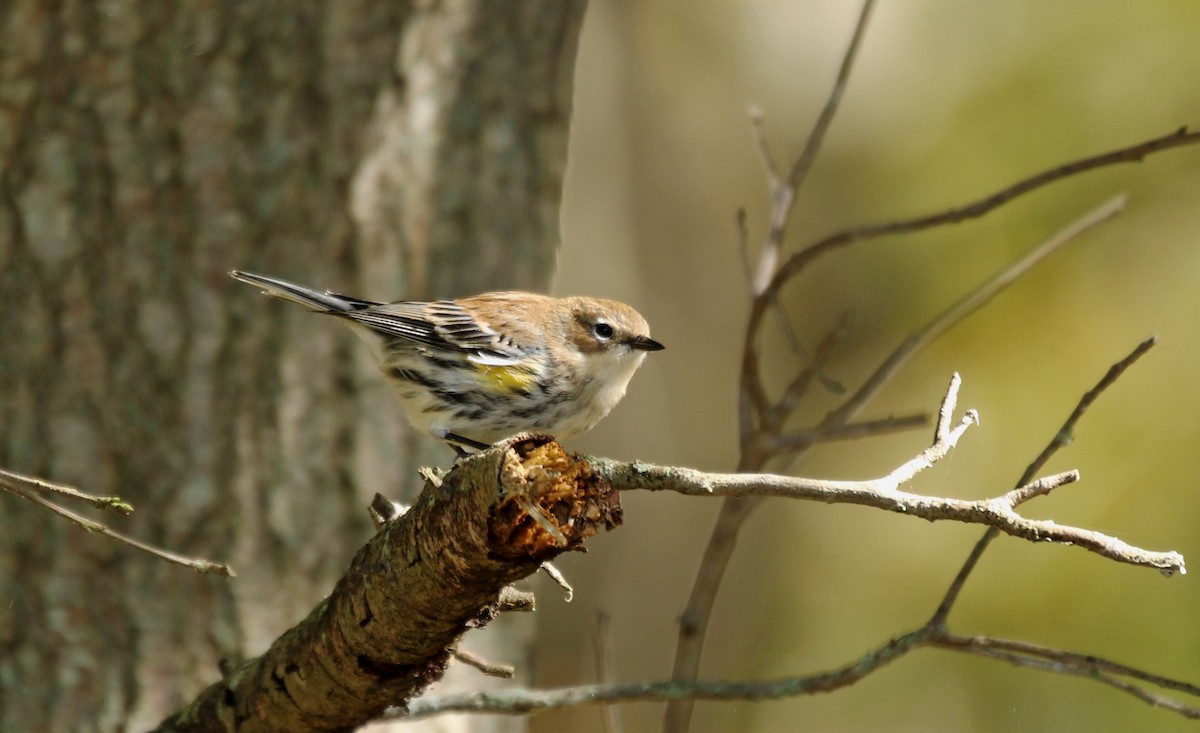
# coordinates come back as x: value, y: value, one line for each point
x: 603, y: 331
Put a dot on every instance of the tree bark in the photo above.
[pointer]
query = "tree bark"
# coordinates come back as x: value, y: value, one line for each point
x: 384, y: 149
x: 386, y: 630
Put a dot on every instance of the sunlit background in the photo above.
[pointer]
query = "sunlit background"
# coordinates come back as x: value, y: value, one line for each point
x: 948, y: 102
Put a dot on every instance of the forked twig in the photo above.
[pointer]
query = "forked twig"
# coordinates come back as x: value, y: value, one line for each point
x: 761, y: 422
x: 784, y: 190
x: 1060, y: 439
x: 886, y: 493
x: 757, y: 449
x: 29, y: 488
x: 933, y: 633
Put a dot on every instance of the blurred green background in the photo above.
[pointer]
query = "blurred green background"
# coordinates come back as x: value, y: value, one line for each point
x: 948, y: 102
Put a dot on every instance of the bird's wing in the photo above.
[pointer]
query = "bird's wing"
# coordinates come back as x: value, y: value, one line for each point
x: 443, y: 325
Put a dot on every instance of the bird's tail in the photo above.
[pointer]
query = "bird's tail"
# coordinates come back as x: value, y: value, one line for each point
x: 326, y: 302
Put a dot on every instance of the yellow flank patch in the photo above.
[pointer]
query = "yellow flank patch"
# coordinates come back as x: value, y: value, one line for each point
x: 513, y: 379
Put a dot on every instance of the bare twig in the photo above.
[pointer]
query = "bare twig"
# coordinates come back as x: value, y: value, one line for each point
x: 753, y: 406
x: 523, y: 702
x: 758, y: 133
x: 850, y: 431
x: 1040, y: 487
x: 693, y: 622
x: 490, y: 669
x: 816, y: 137
x: 1030, y: 649
x: 760, y: 422
x: 512, y: 599
x: 694, y: 619
x: 970, y: 303
x: 975, y: 209
x: 752, y: 403
x: 602, y: 653
x: 773, y: 418
x: 1065, y: 433
x: 560, y: 580
x: 18, y: 485
x: 1061, y: 661
x: 1061, y: 438
x: 885, y: 493
x: 783, y: 195
x: 784, y: 190
x: 743, y: 240
x: 16, y: 480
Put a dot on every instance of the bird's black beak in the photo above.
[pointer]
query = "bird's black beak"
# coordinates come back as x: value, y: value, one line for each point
x: 644, y: 343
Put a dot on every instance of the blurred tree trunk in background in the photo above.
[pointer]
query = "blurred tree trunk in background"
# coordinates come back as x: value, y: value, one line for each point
x: 383, y: 149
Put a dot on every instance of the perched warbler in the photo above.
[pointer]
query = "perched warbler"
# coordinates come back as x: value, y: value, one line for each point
x: 475, y: 370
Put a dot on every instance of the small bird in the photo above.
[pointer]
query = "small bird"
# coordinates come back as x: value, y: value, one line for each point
x: 476, y: 370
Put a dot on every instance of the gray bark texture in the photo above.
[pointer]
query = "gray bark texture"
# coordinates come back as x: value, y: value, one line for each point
x: 383, y: 149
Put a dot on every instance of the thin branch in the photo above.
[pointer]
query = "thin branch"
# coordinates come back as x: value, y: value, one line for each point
x: 1066, y: 432
x: 850, y: 431
x: 524, y: 702
x: 17, y: 480
x: 16, y: 483
x: 693, y: 621
x: 783, y: 196
x: 941, y: 432
x: 973, y: 301
x: 513, y: 600
x: 721, y: 544
x: 489, y: 669
x: 975, y: 209
x: 752, y: 399
x: 758, y: 133
x: 1061, y: 661
x: 793, y: 340
x: 743, y: 241
x: 783, y: 191
x: 774, y: 418
x: 1060, y: 439
x: 559, y: 579
x: 1040, y: 487
x: 804, y: 163
x: 885, y: 493
x: 1028, y: 648
x: 602, y: 654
